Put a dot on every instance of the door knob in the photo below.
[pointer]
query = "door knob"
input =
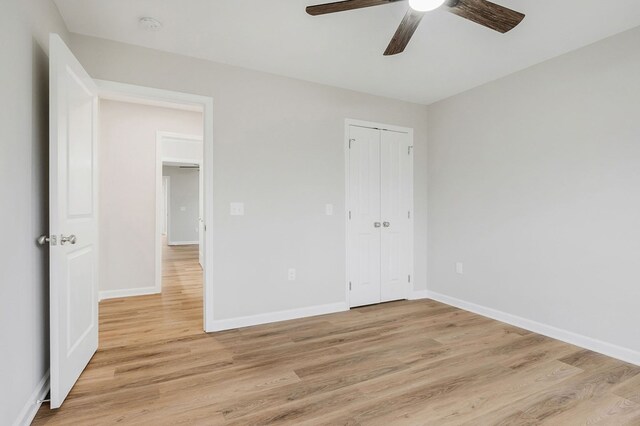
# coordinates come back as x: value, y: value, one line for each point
x: 70, y: 239
x: 44, y: 239
x: 376, y: 224
x: 386, y: 224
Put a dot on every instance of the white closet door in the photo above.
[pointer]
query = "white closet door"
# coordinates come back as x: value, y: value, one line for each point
x: 395, y: 201
x: 364, y: 225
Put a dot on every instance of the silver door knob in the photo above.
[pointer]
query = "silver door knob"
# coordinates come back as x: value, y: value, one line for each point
x: 376, y: 224
x: 45, y: 239
x: 386, y: 224
x: 70, y: 239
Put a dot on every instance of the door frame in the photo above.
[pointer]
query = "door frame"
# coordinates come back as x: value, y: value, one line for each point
x: 165, y: 98
x: 166, y: 182
x: 378, y: 126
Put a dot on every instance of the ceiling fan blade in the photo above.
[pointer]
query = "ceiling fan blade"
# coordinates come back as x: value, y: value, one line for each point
x: 483, y: 12
x: 404, y: 32
x: 341, y: 6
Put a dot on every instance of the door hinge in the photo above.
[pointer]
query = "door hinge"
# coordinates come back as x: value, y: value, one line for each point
x: 349, y: 285
x: 409, y: 214
x: 349, y: 214
x: 409, y: 278
x: 351, y: 140
x: 409, y: 150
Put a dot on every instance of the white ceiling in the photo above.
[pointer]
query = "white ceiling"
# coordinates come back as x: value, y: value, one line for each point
x: 447, y: 55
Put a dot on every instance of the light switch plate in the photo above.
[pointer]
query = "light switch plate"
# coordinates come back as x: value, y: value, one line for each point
x: 236, y: 209
x: 328, y: 209
x: 291, y: 274
x: 459, y: 268
x: 183, y: 209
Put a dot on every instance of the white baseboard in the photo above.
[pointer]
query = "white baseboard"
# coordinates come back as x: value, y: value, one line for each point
x: 605, y: 348
x: 183, y: 243
x: 31, y: 407
x: 419, y: 294
x: 128, y: 292
x: 231, y: 323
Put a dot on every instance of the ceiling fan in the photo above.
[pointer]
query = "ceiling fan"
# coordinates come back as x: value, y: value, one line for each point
x: 483, y: 12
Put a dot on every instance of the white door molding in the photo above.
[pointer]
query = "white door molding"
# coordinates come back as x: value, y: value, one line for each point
x: 166, y: 182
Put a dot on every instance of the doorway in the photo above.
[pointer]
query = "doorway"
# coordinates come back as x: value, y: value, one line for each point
x: 379, y: 187
x: 180, y: 156
x: 169, y: 99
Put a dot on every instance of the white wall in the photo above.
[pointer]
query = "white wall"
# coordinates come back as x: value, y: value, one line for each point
x: 127, y: 205
x: 24, y: 286
x: 279, y: 149
x: 184, y: 205
x: 534, y: 183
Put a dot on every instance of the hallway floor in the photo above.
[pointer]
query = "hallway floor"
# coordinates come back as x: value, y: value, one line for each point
x: 138, y: 336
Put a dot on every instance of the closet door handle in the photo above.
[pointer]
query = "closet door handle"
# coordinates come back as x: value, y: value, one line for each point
x: 376, y: 224
x: 386, y: 224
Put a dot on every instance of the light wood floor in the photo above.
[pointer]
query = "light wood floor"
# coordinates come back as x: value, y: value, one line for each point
x: 402, y: 363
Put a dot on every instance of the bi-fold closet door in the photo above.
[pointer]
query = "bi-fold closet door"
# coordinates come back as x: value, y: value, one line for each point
x: 380, y: 215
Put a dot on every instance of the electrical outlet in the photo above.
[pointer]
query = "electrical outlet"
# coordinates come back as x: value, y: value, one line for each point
x: 291, y: 274
x: 328, y: 209
x: 236, y: 209
x: 459, y: 268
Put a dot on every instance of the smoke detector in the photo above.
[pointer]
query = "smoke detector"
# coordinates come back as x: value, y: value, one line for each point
x: 149, y: 24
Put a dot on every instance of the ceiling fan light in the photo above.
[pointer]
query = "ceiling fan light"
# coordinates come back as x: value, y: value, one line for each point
x: 425, y: 5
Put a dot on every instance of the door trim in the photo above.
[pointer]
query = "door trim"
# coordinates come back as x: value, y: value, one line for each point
x: 166, y: 182
x: 380, y: 126
x: 159, y: 97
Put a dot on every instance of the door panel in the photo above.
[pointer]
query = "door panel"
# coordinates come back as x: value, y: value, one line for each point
x: 73, y: 201
x: 364, y: 238
x: 395, y: 199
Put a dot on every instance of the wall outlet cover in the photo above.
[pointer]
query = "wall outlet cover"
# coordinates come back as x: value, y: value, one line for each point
x: 328, y: 209
x: 236, y: 209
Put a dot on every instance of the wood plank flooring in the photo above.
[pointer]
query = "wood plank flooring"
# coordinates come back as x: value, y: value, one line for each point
x: 401, y: 363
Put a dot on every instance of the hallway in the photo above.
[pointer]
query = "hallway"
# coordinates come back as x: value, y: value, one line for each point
x: 176, y: 312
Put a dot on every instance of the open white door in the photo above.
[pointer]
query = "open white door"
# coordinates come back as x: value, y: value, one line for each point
x: 73, y: 220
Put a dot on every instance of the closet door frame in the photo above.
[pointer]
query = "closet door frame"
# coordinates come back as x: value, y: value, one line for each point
x: 380, y: 126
